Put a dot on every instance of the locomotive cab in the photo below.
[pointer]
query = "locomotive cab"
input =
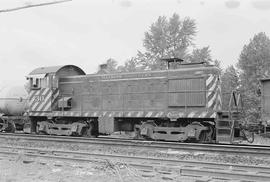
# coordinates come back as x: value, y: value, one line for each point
x: 44, y: 84
x: 48, y: 77
x: 44, y: 96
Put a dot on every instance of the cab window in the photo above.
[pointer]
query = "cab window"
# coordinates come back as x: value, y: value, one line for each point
x: 35, y: 83
x: 54, y: 81
x: 44, y: 82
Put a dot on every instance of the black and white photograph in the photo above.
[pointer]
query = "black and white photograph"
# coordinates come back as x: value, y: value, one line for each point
x: 134, y: 90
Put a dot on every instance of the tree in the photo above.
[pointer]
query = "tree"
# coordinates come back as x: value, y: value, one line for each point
x: 131, y: 65
x: 229, y: 81
x: 111, y: 66
x: 166, y: 39
x: 200, y: 55
x: 254, y: 63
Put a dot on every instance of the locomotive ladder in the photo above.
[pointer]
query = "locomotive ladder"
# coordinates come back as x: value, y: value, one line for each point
x: 227, y: 121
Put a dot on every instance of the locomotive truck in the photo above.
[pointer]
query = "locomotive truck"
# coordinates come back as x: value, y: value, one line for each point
x: 182, y: 104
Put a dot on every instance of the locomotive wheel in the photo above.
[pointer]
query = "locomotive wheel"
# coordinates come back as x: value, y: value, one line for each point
x: 147, y: 130
x: 249, y: 136
x: 41, y: 133
x: 203, y: 137
x: 209, y: 134
x: 88, y: 131
x: 85, y: 132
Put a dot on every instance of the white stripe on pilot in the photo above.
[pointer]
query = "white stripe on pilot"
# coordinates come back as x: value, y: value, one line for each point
x: 149, y: 114
x: 111, y: 114
x: 159, y: 114
x: 190, y: 115
x: 203, y: 114
x: 213, y: 115
x: 139, y: 114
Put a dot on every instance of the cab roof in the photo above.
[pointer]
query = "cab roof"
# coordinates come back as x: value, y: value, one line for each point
x: 56, y: 69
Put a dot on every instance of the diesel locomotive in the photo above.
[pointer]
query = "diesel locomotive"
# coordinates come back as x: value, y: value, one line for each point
x: 182, y: 104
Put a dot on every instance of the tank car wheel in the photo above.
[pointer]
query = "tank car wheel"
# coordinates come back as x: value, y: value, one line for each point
x: 11, y: 128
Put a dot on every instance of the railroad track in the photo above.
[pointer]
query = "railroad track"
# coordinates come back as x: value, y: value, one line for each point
x: 149, y: 167
x: 194, y: 147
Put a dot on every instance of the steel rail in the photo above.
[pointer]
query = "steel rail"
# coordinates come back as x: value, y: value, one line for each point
x: 182, y: 168
x: 195, y: 147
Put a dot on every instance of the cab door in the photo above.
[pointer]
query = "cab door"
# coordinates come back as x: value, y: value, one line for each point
x: 40, y: 93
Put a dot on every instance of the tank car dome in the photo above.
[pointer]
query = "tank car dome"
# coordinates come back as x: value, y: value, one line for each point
x: 13, y: 100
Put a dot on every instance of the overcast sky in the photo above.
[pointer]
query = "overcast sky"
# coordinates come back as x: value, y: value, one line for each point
x: 88, y: 32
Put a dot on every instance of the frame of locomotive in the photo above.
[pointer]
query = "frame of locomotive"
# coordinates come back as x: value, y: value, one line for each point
x: 172, y: 105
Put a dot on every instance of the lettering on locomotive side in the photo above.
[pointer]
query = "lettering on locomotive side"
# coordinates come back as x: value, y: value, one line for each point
x: 139, y: 75
x: 39, y: 98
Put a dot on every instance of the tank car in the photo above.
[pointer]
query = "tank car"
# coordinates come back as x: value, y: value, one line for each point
x: 13, y: 104
x: 182, y: 104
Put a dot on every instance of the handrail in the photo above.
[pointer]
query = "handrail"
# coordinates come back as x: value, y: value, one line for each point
x: 236, y: 99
